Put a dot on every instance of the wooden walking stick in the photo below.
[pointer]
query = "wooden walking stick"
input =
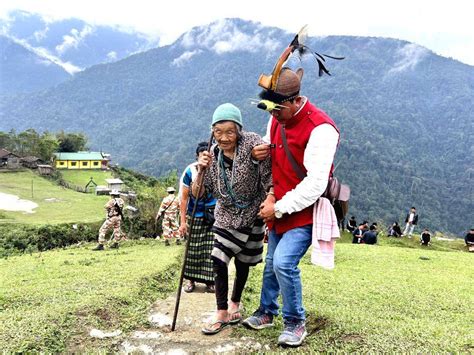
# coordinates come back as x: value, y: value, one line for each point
x: 178, y: 295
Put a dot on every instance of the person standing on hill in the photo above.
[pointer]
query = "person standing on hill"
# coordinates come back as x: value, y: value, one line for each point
x: 311, y: 137
x: 169, y: 210
x: 411, y: 221
x: 198, y: 263
x: 238, y: 182
x: 113, y: 220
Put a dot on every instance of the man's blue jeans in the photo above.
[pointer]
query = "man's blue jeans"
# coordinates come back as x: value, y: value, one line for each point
x: 281, y: 273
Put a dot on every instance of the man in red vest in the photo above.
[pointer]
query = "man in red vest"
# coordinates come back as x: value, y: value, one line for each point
x: 311, y: 138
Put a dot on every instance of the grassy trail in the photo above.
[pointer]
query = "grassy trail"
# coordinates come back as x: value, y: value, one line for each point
x: 49, y: 301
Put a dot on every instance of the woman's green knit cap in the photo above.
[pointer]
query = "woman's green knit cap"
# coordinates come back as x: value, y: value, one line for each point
x: 227, y: 112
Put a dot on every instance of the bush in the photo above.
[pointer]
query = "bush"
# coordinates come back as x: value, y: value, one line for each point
x: 25, y: 238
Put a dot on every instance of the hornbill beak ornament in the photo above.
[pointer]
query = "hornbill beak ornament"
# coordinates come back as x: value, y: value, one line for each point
x: 269, y: 82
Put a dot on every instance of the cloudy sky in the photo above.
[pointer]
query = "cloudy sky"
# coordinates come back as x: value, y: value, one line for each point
x: 444, y: 27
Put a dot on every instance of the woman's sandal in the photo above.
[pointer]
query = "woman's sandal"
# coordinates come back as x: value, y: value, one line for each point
x: 235, y: 317
x: 210, y: 330
x: 189, y: 287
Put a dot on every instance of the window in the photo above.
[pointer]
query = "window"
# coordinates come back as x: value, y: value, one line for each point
x: 61, y: 163
x: 84, y: 163
x: 73, y: 163
x: 96, y: 163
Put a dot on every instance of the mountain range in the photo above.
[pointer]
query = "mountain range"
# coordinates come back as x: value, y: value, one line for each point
x: 405, y: 114
x: 72, y: 44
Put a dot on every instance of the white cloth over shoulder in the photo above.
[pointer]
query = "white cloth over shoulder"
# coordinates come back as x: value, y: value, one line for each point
x: 325, y: 233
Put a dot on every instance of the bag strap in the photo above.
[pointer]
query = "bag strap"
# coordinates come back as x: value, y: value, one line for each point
x: 174, y: 198
x: 290, y: 157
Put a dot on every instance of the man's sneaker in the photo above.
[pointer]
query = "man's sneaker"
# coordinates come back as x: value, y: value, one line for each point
x: 98, y: 247
x: 293, y: 335
x: 259, y: 320
x: 114, y: 246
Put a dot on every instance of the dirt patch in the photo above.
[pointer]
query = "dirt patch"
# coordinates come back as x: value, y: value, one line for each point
x: 352, y: 338
x: 14, y: 203
x: 196, y: 309
x: 315, y: 324
x: 104, y: 315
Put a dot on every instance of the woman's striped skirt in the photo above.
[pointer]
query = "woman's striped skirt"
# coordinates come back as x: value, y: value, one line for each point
x: 245, y: 244
x: 198, y: 262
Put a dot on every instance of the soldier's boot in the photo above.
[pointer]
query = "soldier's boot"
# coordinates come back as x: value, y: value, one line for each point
x: 115, y: 245
x: 167, y: 242
x: 98, y: 247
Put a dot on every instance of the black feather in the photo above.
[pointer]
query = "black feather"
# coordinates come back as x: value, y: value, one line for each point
x: 322, y: 68
x: 337, y: 58
x: 295, y: 41
x: 320, y: 56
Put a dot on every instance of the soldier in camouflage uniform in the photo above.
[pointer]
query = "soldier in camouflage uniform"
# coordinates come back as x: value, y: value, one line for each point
x: 113, y: 221
x: 169, y: 210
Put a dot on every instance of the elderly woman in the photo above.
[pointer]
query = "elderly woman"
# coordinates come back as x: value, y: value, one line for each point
x: 239, y: 184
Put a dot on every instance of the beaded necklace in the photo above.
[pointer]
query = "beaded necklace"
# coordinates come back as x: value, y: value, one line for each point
x: 228, y: 185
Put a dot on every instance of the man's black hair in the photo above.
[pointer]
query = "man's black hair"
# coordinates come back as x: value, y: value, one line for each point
x: 372, y: 227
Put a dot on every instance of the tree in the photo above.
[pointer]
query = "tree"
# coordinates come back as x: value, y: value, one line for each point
x: 71, y: 142
x: 47, y: 146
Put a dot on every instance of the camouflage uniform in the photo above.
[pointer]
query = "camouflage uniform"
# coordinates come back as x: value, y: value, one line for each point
x: 113, y: 220
x: 169, y: 209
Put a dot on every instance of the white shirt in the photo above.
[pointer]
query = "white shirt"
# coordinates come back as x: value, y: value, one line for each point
x: 318, y: 159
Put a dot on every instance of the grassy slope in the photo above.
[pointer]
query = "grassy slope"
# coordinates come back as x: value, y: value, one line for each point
x: 82, y: 177
x: 49, y: 301
x: 385, y: 298
x: 71, y: 207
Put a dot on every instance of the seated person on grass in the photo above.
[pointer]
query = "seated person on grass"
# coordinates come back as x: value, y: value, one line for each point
x: 395, y: 230
x: 370, y: 237
x: 469, y: 240
x: 352, y: 224
x: 358, y: 233
x: 425, y: 237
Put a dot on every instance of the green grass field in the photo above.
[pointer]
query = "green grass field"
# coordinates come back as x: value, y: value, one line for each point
x: 49, y: 301
x: 384, y: 298
x: 56, y: 204
x: 82, y: 177
x: 393, y: 297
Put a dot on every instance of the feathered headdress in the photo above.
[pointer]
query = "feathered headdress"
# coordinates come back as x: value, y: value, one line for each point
x: 269, y: 83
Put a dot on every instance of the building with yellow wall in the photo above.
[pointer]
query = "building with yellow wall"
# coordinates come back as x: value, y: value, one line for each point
x: 81, y: 160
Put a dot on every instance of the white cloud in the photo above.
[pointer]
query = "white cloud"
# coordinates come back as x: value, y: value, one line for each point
x: 112, y: 55
x: 185, y: 57
x: 414, y: 21
x: 224, y: 37
x: 74, y: 39
x: 39, y: 35
x: 410, y: 55
x: 44, y: 53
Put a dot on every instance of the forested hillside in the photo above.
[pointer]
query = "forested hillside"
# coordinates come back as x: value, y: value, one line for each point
x: 406, y: 114
x: 22, y: 70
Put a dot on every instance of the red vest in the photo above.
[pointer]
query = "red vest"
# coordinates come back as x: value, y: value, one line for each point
x: 298, y: 131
